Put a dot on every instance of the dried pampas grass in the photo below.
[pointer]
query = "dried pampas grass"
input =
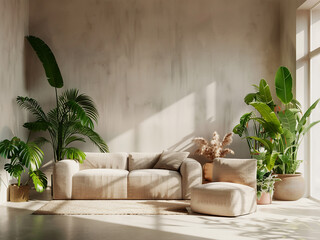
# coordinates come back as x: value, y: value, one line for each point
x: 215, y: 148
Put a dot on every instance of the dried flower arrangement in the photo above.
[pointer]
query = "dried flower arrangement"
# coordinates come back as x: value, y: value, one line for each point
x: 215, y: 148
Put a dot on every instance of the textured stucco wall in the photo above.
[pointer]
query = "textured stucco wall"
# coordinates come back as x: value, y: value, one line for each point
x: 161, y: 72
x: 13, y: 28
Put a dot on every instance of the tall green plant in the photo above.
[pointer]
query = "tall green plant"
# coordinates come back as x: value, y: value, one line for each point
x: 24, y: 155
x: 71, y: 120
x: 284, y: 128
x: 294, y: 126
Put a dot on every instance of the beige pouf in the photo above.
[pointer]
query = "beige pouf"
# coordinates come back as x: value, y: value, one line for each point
x: 223, y: 199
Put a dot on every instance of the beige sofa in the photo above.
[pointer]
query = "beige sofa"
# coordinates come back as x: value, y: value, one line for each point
x: 123, y: 176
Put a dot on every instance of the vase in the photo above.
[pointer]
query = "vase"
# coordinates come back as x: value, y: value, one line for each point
x: 290, y: 188
x: 18, y: 194
x: 265, y: 199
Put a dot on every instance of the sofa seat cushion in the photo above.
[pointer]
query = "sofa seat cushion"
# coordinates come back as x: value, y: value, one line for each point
x: 100, y: 184
x: 223, y: 199
x: 154, y: 184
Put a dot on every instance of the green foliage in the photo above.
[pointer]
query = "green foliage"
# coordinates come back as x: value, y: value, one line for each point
x: 39, y: 180
x: 279, y: 132
x: 283, y: 83
x: 48, y: 61
x: 70, y: 121
x: 23, y: 155
x: 265, y: 178
x: 74, y: 121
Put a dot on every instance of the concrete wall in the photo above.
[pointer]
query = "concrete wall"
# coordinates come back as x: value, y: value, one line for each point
x: 13, y: 28
x: 161, y: 72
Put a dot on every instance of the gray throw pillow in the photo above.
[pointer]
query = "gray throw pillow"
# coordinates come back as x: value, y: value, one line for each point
x: 171, y: 160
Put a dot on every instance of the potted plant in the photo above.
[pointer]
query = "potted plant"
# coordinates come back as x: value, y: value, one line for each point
x: 23, y: 155
x: 285, y: 129
x: 70, y: 121
x: 295, y: 125
x: 211, y: 150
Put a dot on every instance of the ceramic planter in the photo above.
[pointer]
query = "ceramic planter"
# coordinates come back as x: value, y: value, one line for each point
x: 18, y: 194
x: 265, y: 199
x: 290, y: 188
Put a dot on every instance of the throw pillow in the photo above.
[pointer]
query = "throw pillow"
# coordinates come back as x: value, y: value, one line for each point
x: 171, y: 160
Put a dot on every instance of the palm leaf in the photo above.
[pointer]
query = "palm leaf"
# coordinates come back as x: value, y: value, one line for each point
x: 78, y: 128
x: 80, y: 112
x: 48, y: 61
x: 32, y: 106
x: 83, y: 101
x: 41, y: 141
x: 36, y: 126
x: 73, y: 139
x: 39, y: 180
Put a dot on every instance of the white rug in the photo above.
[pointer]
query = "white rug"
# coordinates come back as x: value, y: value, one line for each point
x: 115, y: 207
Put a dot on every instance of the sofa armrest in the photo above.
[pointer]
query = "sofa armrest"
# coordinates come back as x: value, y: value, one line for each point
x: 62, y: 178
x: 191, y: 172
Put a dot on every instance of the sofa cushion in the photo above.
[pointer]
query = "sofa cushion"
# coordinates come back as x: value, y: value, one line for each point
x: 105, y: 160
x: 154, y: 184
x: 171, y: 160
x: 100, y: 184
x: 242, y: 171
x: 223, y: 199
x: 139, y: 160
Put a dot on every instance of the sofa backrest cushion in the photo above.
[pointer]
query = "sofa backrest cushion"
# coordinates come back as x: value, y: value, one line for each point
x: 171, y: 160
x: 142, y: 160
x: 242, y: 171
x: 105, y: 160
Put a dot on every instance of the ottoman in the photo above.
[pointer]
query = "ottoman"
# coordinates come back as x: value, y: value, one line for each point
x: 223, y: 199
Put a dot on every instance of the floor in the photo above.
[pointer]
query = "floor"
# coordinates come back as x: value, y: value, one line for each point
x: 281, y: 220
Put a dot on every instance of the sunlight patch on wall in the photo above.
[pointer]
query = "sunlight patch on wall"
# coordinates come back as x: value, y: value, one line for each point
x: 167, y: 127
x: 211, y: 101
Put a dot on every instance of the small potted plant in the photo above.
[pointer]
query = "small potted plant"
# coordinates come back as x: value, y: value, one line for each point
x: 211, y: 150
x: 23, y: 155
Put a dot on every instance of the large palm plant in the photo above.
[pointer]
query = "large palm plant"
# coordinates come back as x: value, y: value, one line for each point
x: 71, y: 120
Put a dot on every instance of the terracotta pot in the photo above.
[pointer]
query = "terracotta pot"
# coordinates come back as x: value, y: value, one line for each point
x: 208, y: 171
x: 290, y: 188
x: 19, y: 194
x: 265, y: 199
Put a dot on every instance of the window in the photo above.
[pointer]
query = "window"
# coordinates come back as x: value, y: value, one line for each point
x: 308, y: 90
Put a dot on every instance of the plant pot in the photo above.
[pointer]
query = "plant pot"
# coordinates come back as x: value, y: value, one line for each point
x: 290, y: 188
x: 207, y: 172
x: 265, y: 199
x: 19, y: 194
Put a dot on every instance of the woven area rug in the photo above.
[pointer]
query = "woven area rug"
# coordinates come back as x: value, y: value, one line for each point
x: 115, y: 207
